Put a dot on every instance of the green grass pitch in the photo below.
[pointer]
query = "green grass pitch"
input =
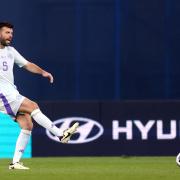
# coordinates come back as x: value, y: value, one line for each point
x: 94, y: 168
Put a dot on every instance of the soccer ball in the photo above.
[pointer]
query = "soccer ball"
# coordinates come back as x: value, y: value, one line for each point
x: 178, y: 159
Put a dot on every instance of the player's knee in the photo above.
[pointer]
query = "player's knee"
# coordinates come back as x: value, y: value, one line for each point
x: 34, y: 105
x: 28, y: 126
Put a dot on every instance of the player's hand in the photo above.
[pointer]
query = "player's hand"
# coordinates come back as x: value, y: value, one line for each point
x: 48, y: 75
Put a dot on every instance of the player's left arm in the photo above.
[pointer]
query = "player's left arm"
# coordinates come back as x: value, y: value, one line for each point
x: 31, y: 67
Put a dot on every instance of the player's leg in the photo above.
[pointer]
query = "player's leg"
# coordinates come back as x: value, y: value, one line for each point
x: 33, y: 109
x: 25, y: 122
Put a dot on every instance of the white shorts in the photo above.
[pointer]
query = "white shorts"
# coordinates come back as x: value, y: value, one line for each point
x: 10, y: 103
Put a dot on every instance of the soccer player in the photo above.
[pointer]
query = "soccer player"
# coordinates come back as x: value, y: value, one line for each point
x: 22, y: 109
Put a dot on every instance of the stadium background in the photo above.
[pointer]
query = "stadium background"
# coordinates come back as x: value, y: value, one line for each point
x: 105, y: 51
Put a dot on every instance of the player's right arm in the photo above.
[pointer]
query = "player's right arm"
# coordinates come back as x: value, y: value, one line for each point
x: 31, y: 67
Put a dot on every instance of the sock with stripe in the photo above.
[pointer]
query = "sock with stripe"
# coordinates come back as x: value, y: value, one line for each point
x: 21, y: 144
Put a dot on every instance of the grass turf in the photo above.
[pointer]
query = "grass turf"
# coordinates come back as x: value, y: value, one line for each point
x: 94, y: 168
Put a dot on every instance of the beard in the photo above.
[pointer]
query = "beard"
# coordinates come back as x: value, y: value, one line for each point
x: 5, y: 42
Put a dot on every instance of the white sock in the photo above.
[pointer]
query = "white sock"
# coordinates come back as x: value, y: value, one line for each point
x: 21, y: 143
x: 45, y: 122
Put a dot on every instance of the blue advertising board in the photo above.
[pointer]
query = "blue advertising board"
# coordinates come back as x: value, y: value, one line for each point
x: 137, y: 128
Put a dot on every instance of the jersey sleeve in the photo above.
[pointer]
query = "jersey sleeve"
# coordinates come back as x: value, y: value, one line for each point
x: 18, y: 58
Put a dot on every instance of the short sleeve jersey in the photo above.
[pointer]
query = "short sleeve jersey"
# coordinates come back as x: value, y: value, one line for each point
x: 8, y: 56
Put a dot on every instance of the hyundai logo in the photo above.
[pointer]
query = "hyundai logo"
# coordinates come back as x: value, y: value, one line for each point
x: 88, y: 130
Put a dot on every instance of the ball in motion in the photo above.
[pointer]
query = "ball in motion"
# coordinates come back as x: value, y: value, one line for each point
x: 178, y: 159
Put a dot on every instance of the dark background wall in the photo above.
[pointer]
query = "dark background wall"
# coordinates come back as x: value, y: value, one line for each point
x: 98, y: 49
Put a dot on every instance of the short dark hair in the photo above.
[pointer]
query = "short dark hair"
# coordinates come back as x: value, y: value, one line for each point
x: 6, y: 24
